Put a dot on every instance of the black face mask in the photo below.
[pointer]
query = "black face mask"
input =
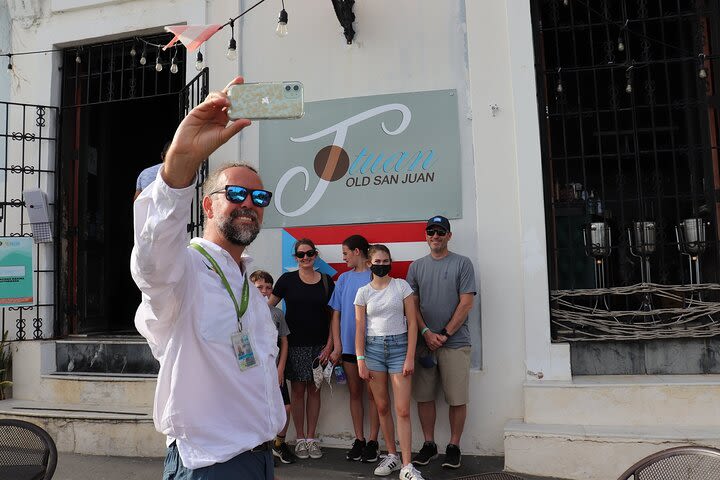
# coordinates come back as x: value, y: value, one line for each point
x: 380, y: 270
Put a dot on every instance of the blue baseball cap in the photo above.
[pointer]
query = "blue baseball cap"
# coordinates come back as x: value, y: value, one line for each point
x: 439, y: 221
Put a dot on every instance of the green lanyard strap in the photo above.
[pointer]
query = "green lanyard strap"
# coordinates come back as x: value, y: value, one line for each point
x: 239, y: 309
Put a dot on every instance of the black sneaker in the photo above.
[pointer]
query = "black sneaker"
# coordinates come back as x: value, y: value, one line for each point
x: 452, y: 456
x: 283, y: 453
x: 427, y: 452
x: 355, y: 453
x: 370, y: 452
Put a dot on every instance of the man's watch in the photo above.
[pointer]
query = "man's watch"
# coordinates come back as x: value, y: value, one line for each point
x: 444, y: 332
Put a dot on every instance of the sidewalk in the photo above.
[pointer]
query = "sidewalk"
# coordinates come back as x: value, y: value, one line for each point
x: 332, y: 466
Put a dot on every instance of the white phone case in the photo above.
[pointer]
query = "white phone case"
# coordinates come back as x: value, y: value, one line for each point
x: 273, y: 100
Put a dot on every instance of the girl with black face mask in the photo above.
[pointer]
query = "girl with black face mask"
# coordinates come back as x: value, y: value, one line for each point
x: 385, y: 338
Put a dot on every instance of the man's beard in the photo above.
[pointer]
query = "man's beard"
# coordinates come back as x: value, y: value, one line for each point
x: 240, y: 234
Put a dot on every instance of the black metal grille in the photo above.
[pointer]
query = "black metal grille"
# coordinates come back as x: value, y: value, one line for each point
x: 629, y: 129
x: 190, y: 96
x: 633, y: 127
x: 28, y: 150
x: 108, y: 72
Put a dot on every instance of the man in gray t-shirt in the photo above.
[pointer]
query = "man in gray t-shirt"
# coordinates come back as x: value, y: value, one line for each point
x: 444, y: 286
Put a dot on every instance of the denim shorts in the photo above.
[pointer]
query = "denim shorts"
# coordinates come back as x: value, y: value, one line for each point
x: 386, y: 353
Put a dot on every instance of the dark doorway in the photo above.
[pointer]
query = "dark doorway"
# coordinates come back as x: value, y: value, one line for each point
x: 118, y: 112
x: 125, y: 138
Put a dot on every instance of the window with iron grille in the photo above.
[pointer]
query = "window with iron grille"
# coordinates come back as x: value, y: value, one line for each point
x: 627, y: 91
x: 121, y: 70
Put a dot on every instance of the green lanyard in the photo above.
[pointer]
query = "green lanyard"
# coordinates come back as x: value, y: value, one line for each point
x: 239, y: 309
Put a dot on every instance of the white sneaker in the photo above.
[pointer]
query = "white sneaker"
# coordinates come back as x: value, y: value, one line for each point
x: 314, y: 449
x: 390, y: 463
x: 301, y: 448
x: 317, y: 373
x: 409, y: 472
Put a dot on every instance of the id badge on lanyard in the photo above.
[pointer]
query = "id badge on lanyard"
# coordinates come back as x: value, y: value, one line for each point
x: 242, y: 341
x: 244, y: 351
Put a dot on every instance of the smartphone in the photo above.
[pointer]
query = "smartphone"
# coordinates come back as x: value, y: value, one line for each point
x: 271, y: 100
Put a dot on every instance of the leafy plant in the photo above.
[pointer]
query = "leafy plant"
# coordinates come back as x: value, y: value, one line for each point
x: 5, y: 364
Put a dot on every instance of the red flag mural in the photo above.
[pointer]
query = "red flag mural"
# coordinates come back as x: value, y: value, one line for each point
x: 406, y: 242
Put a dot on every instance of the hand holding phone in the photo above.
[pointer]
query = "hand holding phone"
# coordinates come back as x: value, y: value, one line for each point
x: 271, y: 100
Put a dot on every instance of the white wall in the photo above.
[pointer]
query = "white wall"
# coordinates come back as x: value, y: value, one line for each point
x: 481, y: 48
x: 415, y: 46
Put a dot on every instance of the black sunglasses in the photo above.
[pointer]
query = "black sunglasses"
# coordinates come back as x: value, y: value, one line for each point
x: 309, y: 253
x: 238, y: 194
x: 435, y: 231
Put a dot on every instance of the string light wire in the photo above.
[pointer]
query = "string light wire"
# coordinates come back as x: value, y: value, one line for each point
x: 146, y: 43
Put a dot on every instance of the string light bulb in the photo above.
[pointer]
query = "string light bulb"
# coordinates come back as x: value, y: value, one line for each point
x: 199, y: 62
x: 281, y: 29
x: 231, y: 53
x: 133, y: 52
x: 158, y: 63
x: 628, y: 75
x: 559, y: 86
x: 173, y: 62
x: 143, y: 58
x: 621, y: 39
x: 702, y: 73
x: 78, y: 60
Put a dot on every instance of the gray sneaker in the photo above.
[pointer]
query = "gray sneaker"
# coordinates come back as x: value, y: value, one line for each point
x: 314, y: 449
x: 301, y: 449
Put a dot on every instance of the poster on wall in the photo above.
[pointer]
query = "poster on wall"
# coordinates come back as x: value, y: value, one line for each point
x: 16, y: 271
x: 382, y: 158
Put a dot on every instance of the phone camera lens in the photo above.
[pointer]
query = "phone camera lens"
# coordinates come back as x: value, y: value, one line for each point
x: 296, y: 88
x: 287, y: 87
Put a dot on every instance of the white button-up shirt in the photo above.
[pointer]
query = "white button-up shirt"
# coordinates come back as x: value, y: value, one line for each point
x: 212, y: 409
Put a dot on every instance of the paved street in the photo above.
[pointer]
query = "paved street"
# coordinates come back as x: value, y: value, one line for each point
x: 332, y: 465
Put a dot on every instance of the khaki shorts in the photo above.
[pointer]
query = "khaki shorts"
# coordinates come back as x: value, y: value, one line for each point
x: 452, y: 371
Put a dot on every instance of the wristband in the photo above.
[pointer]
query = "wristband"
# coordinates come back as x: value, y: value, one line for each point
x: 360, y: 357
x: 422, y: 332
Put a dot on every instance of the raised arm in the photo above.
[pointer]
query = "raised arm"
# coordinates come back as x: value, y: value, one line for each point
x: 159, y: 257
x: 200, y: 133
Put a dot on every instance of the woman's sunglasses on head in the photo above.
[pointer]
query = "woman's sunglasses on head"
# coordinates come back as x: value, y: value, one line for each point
x: 309, y: 253
x: 435, y: 231
x: 238, y: 194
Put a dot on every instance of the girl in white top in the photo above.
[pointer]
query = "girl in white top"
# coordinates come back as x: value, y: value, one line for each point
x: 385, y: 338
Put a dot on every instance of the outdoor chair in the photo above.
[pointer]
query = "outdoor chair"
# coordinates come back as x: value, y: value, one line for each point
x: 491, y: 476
x: 27, y: 452
x: 679, y: 463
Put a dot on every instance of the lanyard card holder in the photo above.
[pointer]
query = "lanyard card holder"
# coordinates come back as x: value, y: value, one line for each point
x: 242, y: 342
x: 244, y: 350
